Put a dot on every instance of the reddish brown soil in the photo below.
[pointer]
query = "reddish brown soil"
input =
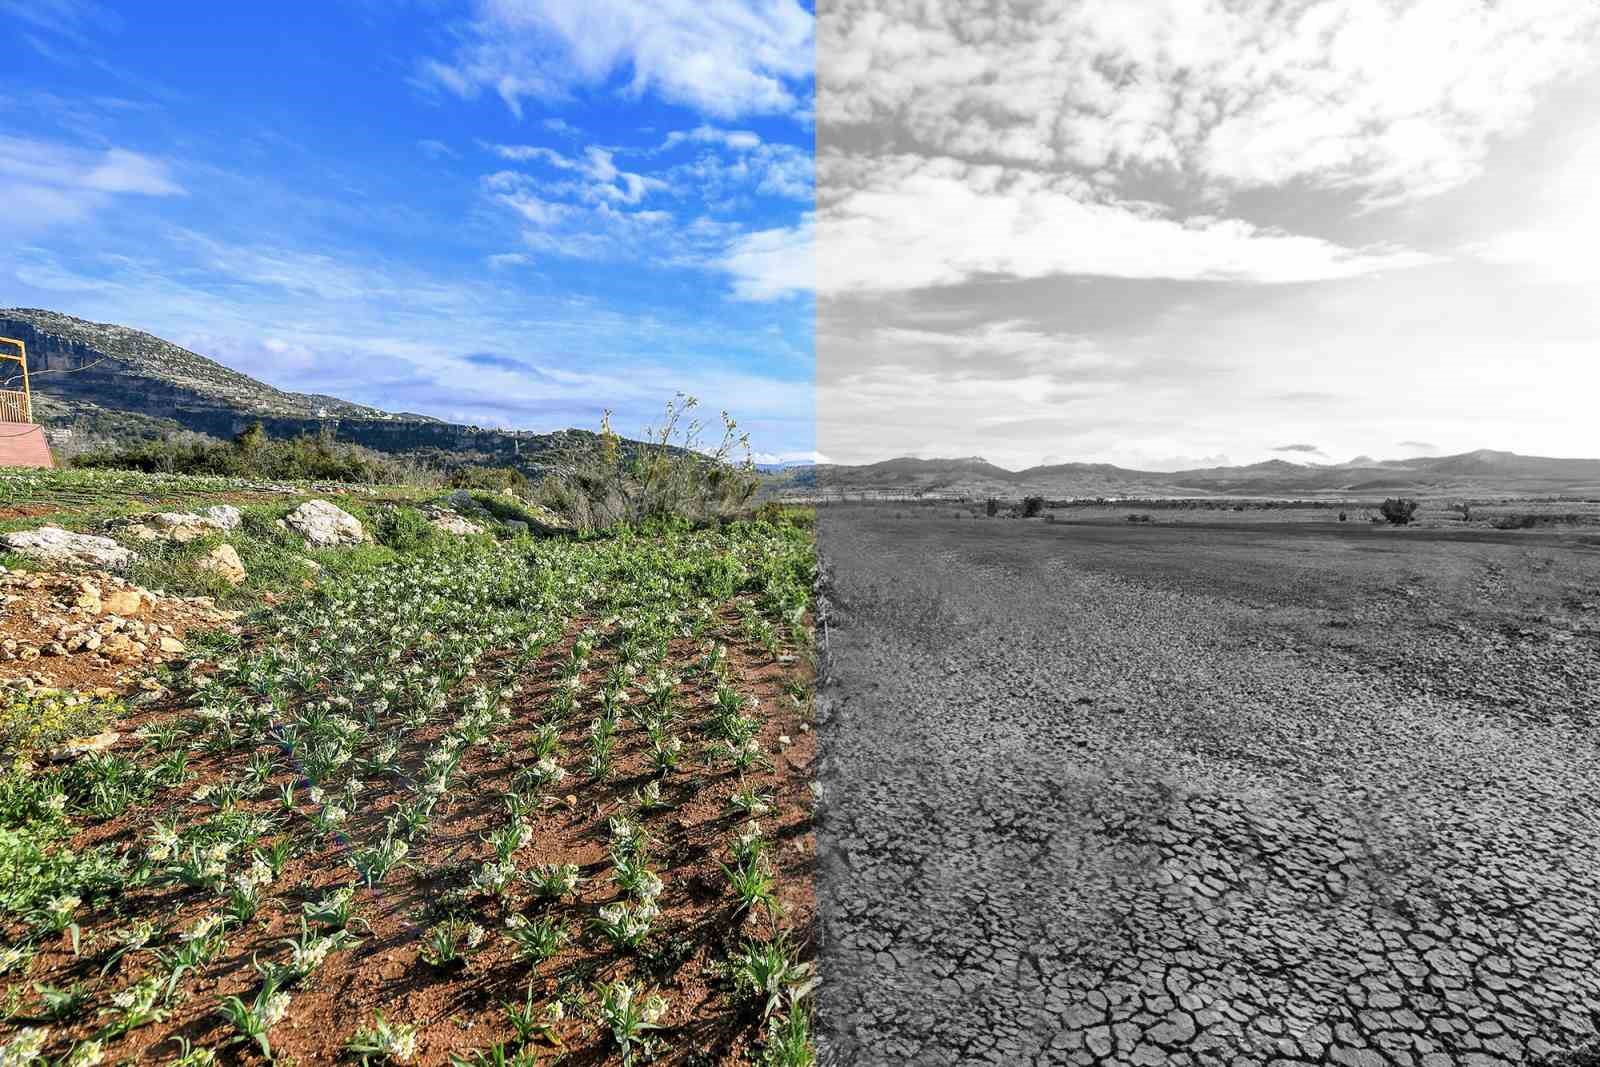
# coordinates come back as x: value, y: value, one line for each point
x: 26, y: 511
x: 44, y: 603
x: 459, y: 1011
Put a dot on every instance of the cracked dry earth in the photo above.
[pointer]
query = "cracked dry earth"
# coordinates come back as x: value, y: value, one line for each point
x: 1094, y: 794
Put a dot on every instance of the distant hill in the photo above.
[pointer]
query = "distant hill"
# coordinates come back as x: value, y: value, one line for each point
x: 1479, y: 473
x: 107, y: 383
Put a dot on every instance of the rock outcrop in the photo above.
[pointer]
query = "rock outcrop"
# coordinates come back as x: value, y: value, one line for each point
x: 58, y: 547
x: 325, y: 525
x: 224, y: 561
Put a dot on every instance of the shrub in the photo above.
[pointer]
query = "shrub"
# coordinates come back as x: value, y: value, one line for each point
x: 667, y: 477
x: 253, y: 454
x: 991, y: 507
x: 402, y: 529
x: 1515, y: 521
x: 489, y: 479
x: 1398, y: 511
x: 1032, y: 506
x: 34, y: 722
x: 778, y: 514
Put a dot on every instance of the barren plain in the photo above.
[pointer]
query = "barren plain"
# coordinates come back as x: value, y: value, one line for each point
x: 1233, y: 794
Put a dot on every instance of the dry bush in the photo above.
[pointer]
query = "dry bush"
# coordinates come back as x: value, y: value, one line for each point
x: 1398, y: 511
x: 668, y: 476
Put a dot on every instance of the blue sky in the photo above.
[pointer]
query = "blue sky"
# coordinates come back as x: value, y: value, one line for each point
x: 507, y: 212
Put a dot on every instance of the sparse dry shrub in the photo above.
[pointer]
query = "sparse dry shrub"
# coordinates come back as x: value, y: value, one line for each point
x: 1398, y: 511
x: 670, y: 475
x: 1515, y: 521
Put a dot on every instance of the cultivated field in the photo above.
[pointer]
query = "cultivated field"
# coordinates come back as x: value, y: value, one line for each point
x: 1255, y: 793
x: 446, y: 796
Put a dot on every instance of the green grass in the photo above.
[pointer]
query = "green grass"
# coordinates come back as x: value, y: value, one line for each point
x: 33, y: 723
x: 385, y: 640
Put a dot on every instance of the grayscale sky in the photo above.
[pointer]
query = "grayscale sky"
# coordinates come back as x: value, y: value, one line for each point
x: 1183, y: 232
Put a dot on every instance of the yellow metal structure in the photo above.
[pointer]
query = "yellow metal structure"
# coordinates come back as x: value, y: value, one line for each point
x: 16, y: 405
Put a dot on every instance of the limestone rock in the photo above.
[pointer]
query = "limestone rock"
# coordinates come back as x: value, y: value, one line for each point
x: 73, y: 747
x: 52, y: 544
x: 182, y: 526
x: 224, y: 560
x: 450, y: 522
x: 324, y: 525
x: 127, y: 602
x: 120, y: 646
x: 225, y: 516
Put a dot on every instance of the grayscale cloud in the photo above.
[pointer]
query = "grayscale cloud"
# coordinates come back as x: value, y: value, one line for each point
x: 1136, y: 233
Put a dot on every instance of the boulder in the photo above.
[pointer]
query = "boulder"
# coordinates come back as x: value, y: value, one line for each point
x: 450, y: 522
x: 185, y: 526
x: 127, y: 602
x: 325, y: 526
x: 224, y: 560
x: 87, y: 598
x: 465, y: 502
x: 226, y: 516
x: 52, y: 544
x: 181, y: 526
x: 73, y: 747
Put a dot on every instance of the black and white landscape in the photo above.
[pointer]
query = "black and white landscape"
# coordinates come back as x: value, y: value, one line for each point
x: 1210, y: 533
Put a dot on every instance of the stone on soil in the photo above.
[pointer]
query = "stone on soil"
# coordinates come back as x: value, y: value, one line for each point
x: 224, y: 561
x: 52, y: 544
x: 450, y: 522
x: 325, y: 525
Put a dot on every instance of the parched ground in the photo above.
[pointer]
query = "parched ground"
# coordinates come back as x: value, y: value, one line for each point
x: 1098, y: 793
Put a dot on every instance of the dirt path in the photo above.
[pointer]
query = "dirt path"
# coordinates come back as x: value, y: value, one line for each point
x: 1156, y: 796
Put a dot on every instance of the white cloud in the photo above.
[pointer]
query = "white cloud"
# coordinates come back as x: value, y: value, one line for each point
x: 44, y: 183
x: 606, y: 181
x: 1392, y: 100
x: 510, y: 190
x: 784, y: 171
x: 591, y: 208
x: 912, y: 223
x: 1565, y: 256
x: 1001, y: 342
x: 739, y: 140
x: 71, y: 19
x: 773, y: 264
x: 1552, y: 233
x: 723, y: 58
x: 802, y: 456
x: 399, y: 341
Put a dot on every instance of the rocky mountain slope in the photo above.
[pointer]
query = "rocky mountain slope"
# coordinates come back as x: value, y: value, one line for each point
x: 94, y: 378
x: 1472, y: 473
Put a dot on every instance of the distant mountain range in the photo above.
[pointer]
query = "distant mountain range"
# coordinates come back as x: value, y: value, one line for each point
x: 1483, y: 472
x: 97, y: 384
